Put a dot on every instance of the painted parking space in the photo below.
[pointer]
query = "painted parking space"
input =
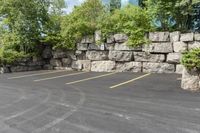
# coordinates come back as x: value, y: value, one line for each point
x: 96, y: 102
x: 35, y: 74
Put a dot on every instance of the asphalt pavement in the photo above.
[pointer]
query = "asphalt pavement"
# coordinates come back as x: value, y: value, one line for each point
x: 87, y: 102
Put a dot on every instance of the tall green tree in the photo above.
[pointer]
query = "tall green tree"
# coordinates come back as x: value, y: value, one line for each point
x: 115, y: 4
x: 82, y: 21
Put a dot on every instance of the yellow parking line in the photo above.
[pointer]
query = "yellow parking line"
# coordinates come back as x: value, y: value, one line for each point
x: 96, y: 77
x: 115, y: 86
x: 67, y: 75
x: 37, y: 74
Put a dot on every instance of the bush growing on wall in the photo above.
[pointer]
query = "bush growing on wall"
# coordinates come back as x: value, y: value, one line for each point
x: 191, y: 59
x: 131, y: 20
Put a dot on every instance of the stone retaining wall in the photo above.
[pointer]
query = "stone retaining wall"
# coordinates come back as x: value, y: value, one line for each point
x: 161, y: 56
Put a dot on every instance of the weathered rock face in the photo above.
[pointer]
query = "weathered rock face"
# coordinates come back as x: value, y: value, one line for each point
x: 120, y: 38
x: 109, y: 46
x: 4, y: 70
x: 97, y: 36
x: 84, y: 65
x: 174, y: 57
x: 48, y: 67
x: 80, y: 55
x: 158, y: 67
x: 175, y: 36
x: 125, y: 47
x: 147, y: 57
x: 129, y: 67
x: 187, y: 37
x: 159, y: 48
x: 159, y: 36
x: 97, y: 55
x: 96, y: 47
x: 47, y: 53
x: 19, y: 68
x: 88, y: 40
x: 179, y: 69
x: 82, y: 46
x: 193, y: 45
x: 59, y: 54
x: 190, y: 80
x: 66, y: 62
x: 55, y: 63
x: 180, y: 47
x: 103, y: 66
x: 110, y: 39
x: 197, y: 36
x: 121, y: 56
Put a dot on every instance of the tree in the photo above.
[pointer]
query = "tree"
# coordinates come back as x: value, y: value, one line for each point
x: 81, y: 22
x: 115, y: 4
x: 25, y: 23
x: 171, y: 14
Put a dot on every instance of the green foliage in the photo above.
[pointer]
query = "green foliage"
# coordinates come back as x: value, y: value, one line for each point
x: 131, y: 20
x: 9, y: 56
x: 115, y: 4
x: 191, y: 59
x: 82, y: 21
x: 171, y: 14
x: 25, y: 24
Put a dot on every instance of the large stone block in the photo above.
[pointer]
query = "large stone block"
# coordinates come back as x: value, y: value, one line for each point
x: 82, y: 46
x: 159, y: 48
x: 66, y: 62
x: 96, y: 47
x: 109, y: 46
x: 187, y: 37
x: 179, y: 69
x: 80, y: 55
x: 190, y: 80
x: 126, y: 47
x: 197, y: 36
x: 180, y: 47
x: 19, y: 68
x: 4, y: 70
x: 175, y: 36
x: 88, y: 39
x: 193, y: 45
x: 147, y: 57
x: 158, y: 67
x: 47, y: 53
x: 110, y: 39
x: 59, y: 54
x: 174, y: 57
x: 129, y: 67
x: 71, y: 54
x: 159, y: 36
x: 120, y: 38
x: 84, y: 65
x: 121, y: 55
x: 103, y: 66
x: 97, y: 55
x: 97, y: 36
x: 55, y: 63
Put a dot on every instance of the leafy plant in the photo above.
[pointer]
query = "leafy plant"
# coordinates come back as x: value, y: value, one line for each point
x: 170, y: 14
x: 81, y: 22
x: 191, y: 59
x: 131, y: 20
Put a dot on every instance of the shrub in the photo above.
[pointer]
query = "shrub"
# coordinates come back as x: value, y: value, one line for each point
x: 131, y: 20
x: 81, y: 22
x: 9, y: 56
x: 191, y: 59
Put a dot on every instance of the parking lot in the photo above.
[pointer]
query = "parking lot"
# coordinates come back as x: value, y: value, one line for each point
x: 63, y: 101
